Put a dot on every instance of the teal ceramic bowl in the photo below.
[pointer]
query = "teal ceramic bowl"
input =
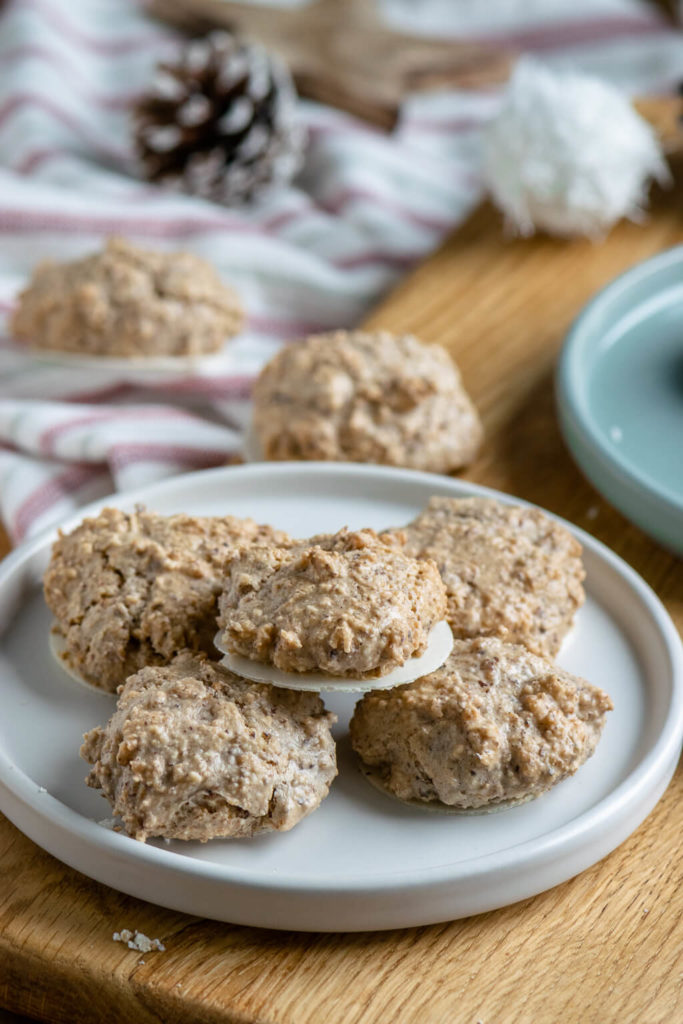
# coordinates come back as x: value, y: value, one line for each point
x: 620, y: 395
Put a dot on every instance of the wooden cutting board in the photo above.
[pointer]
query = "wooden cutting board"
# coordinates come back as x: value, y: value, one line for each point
x: 604, y: 947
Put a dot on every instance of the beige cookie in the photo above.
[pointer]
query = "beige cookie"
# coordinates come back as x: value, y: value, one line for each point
x: 495, y: 725
x: 194, y: 752
x: 348, y: 604
x: 132, y: 589
x: 366, y: 397
x: 509, y: 571
x: 126, y: 301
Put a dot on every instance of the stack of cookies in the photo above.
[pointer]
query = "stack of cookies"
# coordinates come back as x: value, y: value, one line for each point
x: 195, y: 750
x: 499, y: 723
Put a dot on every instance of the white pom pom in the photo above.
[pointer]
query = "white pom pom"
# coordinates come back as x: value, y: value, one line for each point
x: 567, y: 153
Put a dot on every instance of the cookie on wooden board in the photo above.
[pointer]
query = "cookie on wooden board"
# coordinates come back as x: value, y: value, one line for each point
x: 364, y: 396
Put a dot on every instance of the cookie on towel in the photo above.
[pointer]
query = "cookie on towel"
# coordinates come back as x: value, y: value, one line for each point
x: 128, y: 302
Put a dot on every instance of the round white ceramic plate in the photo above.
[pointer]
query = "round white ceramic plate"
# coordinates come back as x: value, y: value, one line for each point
x: 362, y: 861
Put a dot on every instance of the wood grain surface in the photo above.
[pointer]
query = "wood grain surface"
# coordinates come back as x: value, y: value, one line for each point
x: 604, y: 947
x: 334, y: 47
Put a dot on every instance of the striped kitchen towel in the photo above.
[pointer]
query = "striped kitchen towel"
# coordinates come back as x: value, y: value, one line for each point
x: 314, y: 256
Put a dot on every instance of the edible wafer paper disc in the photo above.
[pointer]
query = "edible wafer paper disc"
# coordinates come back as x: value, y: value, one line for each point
x: 437, y: 806
x: 202, y: 363
x: 439, y: 646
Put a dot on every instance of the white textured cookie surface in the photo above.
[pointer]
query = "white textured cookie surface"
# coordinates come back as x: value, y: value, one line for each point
x: 366, y: 397
x: 194, y: 752
x: 495, y: 724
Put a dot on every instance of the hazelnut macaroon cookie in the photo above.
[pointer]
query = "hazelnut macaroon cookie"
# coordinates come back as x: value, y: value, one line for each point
x: 194, y: 752
x: 348, y: 606
x: 496, y: 725
x: 366, y: 397
x: 130, y: 589
x: 128, y: 302
x: 509, y: 571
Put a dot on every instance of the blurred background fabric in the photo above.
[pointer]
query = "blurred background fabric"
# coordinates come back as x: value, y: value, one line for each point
x: 314, y: 256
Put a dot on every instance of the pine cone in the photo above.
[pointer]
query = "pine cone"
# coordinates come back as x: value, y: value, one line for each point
x: 220, y: 121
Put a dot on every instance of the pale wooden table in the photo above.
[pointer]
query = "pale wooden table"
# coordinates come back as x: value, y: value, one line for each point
x: 604, y: 947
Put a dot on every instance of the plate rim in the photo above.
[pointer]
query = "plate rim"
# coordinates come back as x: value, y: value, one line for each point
x: 570, y: 385
x: 632, y: 790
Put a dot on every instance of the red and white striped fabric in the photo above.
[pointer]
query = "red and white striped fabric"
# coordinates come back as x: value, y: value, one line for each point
x: 314, y: 256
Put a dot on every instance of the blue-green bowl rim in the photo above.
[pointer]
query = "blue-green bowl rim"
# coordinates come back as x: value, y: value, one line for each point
x: 571, y: 379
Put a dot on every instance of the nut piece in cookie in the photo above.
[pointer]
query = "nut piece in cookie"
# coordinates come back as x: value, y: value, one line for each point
x: 509, y: 571
x: 495, y: 725
x: 349, y: 604
x: 366, y: 397
x: 194, y: 752
x: 126, y: 301
x: 133, y: 589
